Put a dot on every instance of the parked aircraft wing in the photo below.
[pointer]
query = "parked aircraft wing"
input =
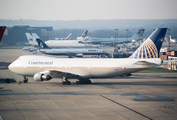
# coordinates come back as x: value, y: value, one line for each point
x: 67, y: 73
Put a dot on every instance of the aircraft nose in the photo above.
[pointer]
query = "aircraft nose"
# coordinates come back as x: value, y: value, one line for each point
x: 10, y: 66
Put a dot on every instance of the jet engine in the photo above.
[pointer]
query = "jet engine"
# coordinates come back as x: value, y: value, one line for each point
x: 41, y: 77
x: 133, y: 41
x: 79, y: 55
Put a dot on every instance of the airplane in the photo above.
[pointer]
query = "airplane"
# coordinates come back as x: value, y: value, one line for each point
x: 43, y: 68
x: 130, y: 48
x: 30, y: 49
x: 70, y: 52
x: 79, y: 39
x: 58, y: 43
x: 82, y: 37
x: 172, y: 40
x: 31, y: 40
x: 137, y: 36
x: 2, y: 29
x: 67, y: 38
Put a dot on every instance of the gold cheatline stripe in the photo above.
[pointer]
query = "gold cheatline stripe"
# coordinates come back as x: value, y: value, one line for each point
x: 60, y: 68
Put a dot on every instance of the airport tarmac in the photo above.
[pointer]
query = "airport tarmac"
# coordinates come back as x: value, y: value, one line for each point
x: 141, y: 96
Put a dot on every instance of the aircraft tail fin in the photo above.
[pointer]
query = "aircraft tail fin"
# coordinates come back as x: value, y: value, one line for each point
x: 29, y: 37
x: 125, y: 45
x: 139, y: 34
x: 35, y: 36
x: 151, y: 47
x: 68, y: 37
x: 84, y: 34
x: 2, y: 29
x: 42, y: 44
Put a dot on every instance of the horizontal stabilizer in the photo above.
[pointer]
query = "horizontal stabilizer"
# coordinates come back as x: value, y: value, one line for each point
x: 144, y: 63
x: 169, y: 61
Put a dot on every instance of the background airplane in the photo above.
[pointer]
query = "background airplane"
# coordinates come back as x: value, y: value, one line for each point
x: 137, y: 36
x: 79, y: 40
x: 130, y: 48
x: 82, y: 37
x: 70, y: 52
x: 58, y: 43
x: 171, y: 40
x: 67, y: 38
x: 2, y: 29
x: 43, y: 68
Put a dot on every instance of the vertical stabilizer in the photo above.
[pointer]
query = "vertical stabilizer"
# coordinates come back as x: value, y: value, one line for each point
x: 29, y: 37
x: 2, y: 29
x: 41, y: 44
x: 68, y: 37
x: 151, y: 47
x: 84, y: 34
x: 139, y: 34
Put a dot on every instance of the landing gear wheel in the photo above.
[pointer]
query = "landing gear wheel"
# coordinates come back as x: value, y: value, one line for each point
x: 68, y: 82
x: 25, y: 80
x: 83, y: 81
x: 65, y: 81
x: 77, y: 82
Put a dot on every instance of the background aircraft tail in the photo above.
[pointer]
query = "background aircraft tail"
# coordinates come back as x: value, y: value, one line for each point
x: 139, y: 34
x: 35, y: 36
x: 68, y: 37
x: 84, y: 34
x: 2, y: 29
x: 125, y: 45
x: 41, y: 44
x: 29, y: 37
x: 151, y: 47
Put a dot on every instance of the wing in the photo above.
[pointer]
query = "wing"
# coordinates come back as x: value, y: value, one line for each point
x: 144, y: 63
x: 70, y: 73
x: 169, y: 61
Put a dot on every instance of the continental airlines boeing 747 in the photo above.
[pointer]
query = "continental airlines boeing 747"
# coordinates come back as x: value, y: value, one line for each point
x: 43, y: 68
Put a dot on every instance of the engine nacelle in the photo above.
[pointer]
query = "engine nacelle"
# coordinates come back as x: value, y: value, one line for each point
x: 79, y: 55
x: 41, y: 77
x: 133, y: 41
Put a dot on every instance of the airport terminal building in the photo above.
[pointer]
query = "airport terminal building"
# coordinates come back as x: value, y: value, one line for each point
x: 16, y: 35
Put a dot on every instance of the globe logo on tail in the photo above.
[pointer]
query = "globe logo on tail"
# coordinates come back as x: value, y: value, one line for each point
x: 146, y: 50
x: 151, y: 47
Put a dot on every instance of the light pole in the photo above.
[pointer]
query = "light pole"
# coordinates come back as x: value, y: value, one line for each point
x: 126, y: 35
x: 116, y: 41
x: 169, y: 38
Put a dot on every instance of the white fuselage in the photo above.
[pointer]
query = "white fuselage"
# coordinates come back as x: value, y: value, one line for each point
x: 68, y: 43
x: 69, y: 51
x: 84, y: 68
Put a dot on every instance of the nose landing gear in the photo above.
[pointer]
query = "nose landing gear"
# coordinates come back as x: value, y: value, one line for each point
x: 25, y: 79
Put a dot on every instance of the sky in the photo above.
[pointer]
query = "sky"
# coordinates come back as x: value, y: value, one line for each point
x: 87, y: 9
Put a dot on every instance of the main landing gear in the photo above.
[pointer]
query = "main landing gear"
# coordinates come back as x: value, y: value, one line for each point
x: 65, y: 81
x: 83, y: 81
x: 25, y: 79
